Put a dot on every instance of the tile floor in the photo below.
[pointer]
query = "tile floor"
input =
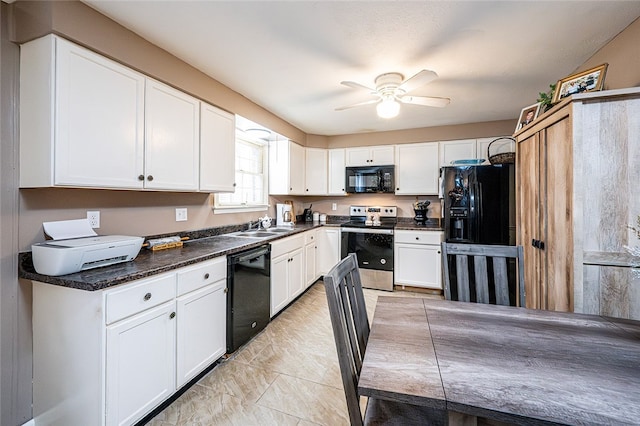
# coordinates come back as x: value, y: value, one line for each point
x: 287, y: 375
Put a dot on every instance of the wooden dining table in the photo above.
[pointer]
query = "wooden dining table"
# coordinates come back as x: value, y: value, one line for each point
x: 509, y: 364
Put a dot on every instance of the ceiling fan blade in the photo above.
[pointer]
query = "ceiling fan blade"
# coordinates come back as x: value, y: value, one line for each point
x: 425, y: 101
x: 418, y: 80
x: 355, y: 85
x: 372, y: 101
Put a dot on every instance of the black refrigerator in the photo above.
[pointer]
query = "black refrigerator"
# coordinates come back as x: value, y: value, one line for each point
x: 479, y: 208
x: 479, y: 204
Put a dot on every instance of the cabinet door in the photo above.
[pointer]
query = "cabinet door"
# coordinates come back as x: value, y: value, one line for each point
x: 529, y: 227
x: 417, y: 169
x: 316, y: 171
x: 217, y: 149
x: 558, y: 217
x: 296, y: 273
x: 457, y: 150
x: 172, y: 134
x: 482, y: 145
x: 358, y: 157
x: 141, y: 364
x: 99, y: 113
x: 201, y: 335
x: 382, y: 155
x: 328, y: 254
x: 310, y: 259
x: 296, y: 169
x: 337, y: 175
x: 279, y: 283
x: 418, y: 265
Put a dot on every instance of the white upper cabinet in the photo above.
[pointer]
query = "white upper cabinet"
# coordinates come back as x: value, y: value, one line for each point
x: 286, y: 168
x: 417, y: 169
x: 87, y: 121
x: 315, y: 171
x: 457, y: 150
x: 81, y: 118
x: 172, y: 138
x: 382, y: 155
x: 337, y: 175
x: 217, y: 149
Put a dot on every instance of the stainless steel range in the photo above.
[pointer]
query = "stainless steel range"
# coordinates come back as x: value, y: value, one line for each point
x: 369, y: 234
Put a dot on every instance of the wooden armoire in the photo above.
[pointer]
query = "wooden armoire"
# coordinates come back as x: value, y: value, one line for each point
x: 577, y: 191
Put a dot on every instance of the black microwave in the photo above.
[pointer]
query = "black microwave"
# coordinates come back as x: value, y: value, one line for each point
x: 370, y: 179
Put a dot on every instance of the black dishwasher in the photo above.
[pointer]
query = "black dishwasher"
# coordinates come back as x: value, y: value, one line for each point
x: 248, y: 295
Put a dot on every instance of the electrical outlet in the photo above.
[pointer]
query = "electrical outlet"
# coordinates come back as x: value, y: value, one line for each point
x: 334, y: 206
x: 94, y: 218
x: 181, y: 215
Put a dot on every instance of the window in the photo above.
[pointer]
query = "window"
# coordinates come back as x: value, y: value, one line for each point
x: 251, y: 192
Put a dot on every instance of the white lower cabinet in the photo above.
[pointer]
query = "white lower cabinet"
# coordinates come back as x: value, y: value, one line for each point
x: 140, y: 364
x: 109, y: 357
x: 310, y: 257
x: 418, y: 259
x: 200, y: 339
x: 287, y: 273
x: 328, y: 254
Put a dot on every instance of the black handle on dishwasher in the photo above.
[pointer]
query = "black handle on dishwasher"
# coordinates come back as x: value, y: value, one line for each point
x: 248, y: 255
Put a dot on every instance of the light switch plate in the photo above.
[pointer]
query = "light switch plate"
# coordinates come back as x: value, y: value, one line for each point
x: 181, y: 215
x: 334, y: 206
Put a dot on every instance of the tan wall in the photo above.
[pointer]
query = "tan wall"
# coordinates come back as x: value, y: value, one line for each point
x: 427, y: 134
x: 623, y: 56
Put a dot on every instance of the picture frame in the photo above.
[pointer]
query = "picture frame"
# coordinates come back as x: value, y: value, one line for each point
x: 528, y: 115
x: 591, y: 80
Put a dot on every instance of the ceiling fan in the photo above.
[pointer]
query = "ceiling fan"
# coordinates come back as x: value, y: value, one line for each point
x: 391, y: 90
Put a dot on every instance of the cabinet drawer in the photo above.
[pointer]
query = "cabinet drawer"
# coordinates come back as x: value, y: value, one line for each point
x: 418, y: 237
x: 134, y: 298
x: 310, y: 237
x: 202, y: 274
x: 286, y: 245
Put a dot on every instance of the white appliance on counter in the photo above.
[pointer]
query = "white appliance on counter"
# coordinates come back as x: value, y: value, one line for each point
x: 284, y: 215
x: 76, y: 247
x: 61, y: 257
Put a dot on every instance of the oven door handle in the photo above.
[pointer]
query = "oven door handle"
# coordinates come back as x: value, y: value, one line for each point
x: 368, y: 231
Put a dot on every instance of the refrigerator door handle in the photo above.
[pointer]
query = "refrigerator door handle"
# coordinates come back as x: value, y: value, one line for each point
x: 480, y: 204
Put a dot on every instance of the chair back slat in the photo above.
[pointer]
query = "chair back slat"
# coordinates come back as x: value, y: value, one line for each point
x: 462, y: 278
x: 482, y: 279
x: 500, y: 275
x: 350, y: 324
x: 481, y: 282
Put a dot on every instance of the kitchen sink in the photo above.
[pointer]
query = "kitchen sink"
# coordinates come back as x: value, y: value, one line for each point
x: 255, y: 234
x: 261, y: 233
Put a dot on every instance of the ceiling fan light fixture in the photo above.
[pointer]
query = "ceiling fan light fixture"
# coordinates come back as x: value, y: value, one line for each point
x: 388, y: 108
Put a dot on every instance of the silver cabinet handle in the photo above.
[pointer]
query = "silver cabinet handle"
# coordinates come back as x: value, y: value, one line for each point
x: 147, y: 296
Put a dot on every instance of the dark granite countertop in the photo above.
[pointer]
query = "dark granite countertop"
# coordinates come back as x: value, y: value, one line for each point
x: 432, y: 224
x: 202, y: 245
x: 199, y: 248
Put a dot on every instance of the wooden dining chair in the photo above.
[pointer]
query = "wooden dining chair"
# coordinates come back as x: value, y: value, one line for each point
x: 351, y: 332
x: 483, y: 268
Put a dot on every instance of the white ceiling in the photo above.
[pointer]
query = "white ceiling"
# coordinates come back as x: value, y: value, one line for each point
x: 492, y: 57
